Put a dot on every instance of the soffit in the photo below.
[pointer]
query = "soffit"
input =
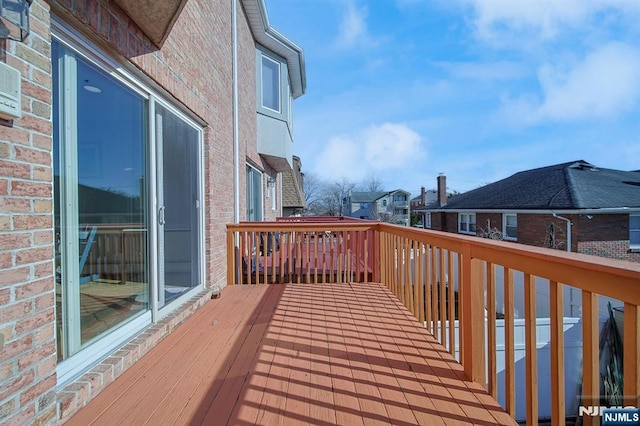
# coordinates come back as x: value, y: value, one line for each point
x: 154, y: 17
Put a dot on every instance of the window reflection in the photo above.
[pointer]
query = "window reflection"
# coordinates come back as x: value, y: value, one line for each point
x: 109, y: 181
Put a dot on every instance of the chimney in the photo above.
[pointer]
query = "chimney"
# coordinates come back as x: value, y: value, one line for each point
x: 442, y: 190
x: 422, y: 196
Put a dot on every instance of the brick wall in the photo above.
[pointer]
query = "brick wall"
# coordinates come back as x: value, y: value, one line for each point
x: 605, y: 236
x: 27, y: 317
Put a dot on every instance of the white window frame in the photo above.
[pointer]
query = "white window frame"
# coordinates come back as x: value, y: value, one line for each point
x: 465, y: 223
x: 278, y: 89
x: 634, y: 231
x: 426, y: 221
x: 251, y: 191
x: 505, y: 234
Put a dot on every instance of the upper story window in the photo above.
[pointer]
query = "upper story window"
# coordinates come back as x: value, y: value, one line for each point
x: 510, y: 226
x: 399, y: 197
x: 634, y: 231
x: 270, y: 84
x: 467, y: 223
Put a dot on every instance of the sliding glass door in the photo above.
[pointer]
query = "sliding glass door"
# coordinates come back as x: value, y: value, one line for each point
x: 127, y: 195
x: 178, y: 200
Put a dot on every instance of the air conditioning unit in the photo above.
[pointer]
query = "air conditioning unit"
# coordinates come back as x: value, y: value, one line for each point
x: 10, y: 92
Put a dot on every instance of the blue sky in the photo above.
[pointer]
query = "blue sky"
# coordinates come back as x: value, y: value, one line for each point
x: 475, y: 89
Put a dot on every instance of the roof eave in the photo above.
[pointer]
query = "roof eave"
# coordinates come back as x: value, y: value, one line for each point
x: 275, y: 41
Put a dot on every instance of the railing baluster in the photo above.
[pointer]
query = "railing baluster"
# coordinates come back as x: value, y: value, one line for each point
x: 427, y: 285
x: 407, y: 275
x: 265, y: 251
x: 451, y: 292
x: 557, y: 354
x: 421, y: 281
x: 590, y: 355
x: 316, y: 236
x: 631, y: 360
x: 434, y: 289
x: 416, y: 281
x: 491, y: 331
x: 531, y: 356
x: 509, y: 356
x: 442, y: 297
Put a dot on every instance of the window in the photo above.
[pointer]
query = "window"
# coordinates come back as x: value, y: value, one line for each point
x: 634, y: 231
x: 510, y: 226
x: 270, y: 84
x: 427, y: 220
x: 399, y: 197
x: 467, y: 223
x: 254, y: 194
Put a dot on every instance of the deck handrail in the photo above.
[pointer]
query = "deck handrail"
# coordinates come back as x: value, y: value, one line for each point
x: 420, y: 265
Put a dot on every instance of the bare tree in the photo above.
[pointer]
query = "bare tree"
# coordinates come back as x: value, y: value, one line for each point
x: 371, y: 183
x: 312, y: 190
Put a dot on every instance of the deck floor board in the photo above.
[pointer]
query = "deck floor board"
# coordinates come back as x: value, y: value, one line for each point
x: 295, y: 354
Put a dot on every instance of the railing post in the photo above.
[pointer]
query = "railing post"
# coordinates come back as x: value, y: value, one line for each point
x: 231, y: 258
x: 472, y: 322
x: 631, y: 360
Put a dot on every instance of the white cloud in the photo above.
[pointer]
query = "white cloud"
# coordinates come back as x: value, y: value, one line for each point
x: 497, y: 21
x: 377, y: 148
x: 605, y: 84
x: 353, y: 28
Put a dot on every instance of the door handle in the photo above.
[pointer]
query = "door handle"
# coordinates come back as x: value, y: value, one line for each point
x: 161, y: 220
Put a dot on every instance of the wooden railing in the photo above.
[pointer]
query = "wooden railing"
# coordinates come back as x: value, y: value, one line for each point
x: 329, y: 251
x: 117, y: 252
x: 443, y: 277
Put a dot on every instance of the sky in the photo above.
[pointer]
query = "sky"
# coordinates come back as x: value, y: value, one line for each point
x: 478, y: 90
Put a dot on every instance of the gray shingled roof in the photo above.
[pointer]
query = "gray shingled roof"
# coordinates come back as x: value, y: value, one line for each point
x: 292, y: 196
x: 574, y: 185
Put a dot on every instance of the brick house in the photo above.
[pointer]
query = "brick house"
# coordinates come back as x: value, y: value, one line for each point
x: 573, y: 206
x: 144, y: 128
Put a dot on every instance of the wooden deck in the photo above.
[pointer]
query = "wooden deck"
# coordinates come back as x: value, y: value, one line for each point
x: 345, y: 354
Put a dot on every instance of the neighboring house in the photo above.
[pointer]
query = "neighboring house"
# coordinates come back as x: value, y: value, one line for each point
x: 142, y: 129
x: 293, y: 201
x: 386, y: 206
x: 573, y: 206
x: 425, y: 198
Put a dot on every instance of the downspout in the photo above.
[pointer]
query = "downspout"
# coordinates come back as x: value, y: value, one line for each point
x: 236, y: 136
x: 236, y: 140
x: 568, y: 230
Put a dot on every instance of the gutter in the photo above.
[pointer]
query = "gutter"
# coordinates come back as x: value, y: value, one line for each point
x: 606, y: 210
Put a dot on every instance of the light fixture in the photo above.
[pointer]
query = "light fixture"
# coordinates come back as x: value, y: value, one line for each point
x: 14, y: 19
x: 271, y: 182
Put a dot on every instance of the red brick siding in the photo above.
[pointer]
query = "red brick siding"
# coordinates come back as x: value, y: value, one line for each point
x: 486, y: 222
x: 605, y: 236
x: 28, y: 359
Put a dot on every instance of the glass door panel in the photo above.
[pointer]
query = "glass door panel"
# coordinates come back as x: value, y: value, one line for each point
x: 100, y: 183
x: 178, y: 200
